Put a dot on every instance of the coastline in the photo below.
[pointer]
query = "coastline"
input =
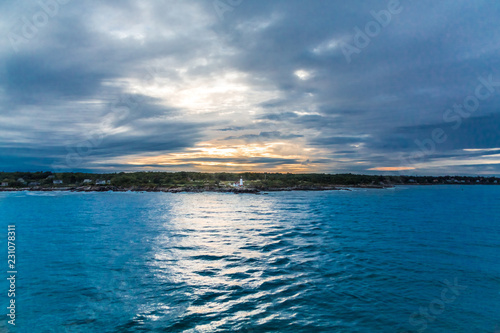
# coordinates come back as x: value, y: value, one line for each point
x: 109, y: 188
x: 249, y: 182
x: 193, y: 189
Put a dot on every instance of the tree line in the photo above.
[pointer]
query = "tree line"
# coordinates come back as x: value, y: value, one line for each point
x: 255, y: 179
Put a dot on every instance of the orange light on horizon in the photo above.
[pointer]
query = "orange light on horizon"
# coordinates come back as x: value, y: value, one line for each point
x: 391, y: 168
x: 209, y: 157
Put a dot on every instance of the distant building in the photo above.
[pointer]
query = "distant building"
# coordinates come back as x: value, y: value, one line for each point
x: 57, y: 182
x: 240, y: 184
x: 102, y: 182
x: 20, y: 180
x: 411, y: 180
x: 34, y: 184
x: 495, y: 182
x: 51, y: 177
x: 87, y: 181
x: 5, y: 184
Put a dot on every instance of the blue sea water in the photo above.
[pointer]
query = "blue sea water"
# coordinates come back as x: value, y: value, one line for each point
x: 409, y: 259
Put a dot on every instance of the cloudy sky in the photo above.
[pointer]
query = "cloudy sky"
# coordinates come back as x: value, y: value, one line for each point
x: 332, y: 86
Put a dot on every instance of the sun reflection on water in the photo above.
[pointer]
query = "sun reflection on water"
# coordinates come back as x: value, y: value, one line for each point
x: 225, y: 254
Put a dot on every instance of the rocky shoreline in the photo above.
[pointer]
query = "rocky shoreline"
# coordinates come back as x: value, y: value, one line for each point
x: 108, y: 188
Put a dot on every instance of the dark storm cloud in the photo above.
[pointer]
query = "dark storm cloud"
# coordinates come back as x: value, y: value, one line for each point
x: 146, y: 138
x: 280, y: 116
x: 274, y: 103
x: 192, y: 163
x: 263, y: 136
x: 336, y: 140
x: 92, y: 59
x: 230, y: 129
x: 31, y: 79
x: 258, y: 160
x: 152, y: 137
x: 473, y: 133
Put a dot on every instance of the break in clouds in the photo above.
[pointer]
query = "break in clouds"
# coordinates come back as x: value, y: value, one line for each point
x: 300, y: 86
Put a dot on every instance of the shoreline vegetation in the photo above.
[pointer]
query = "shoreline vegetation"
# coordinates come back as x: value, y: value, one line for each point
x: 175, y: 182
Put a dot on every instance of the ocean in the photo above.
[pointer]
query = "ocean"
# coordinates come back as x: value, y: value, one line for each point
x: 406, y: 259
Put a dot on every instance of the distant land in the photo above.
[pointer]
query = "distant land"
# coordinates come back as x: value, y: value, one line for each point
x: 217, y: 182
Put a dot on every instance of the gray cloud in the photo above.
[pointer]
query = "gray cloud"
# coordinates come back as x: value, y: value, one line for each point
x: 262, y: 136
x: 162, y: 77
x: 336, y: 140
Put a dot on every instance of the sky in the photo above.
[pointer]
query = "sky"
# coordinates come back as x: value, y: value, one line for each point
x: 373, y: 87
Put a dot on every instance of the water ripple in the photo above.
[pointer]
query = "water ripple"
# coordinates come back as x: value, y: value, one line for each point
x: 359, y: 261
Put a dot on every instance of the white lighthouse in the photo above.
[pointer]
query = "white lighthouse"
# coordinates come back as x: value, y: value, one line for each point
x: 241, y: 181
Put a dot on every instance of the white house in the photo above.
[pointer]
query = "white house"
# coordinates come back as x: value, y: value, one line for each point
x: 57, y: 182
x: 240, y: 184
x: 102, y: 182
x: 5, y: 184
x: 21, y: 180
x: 87, y: 181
